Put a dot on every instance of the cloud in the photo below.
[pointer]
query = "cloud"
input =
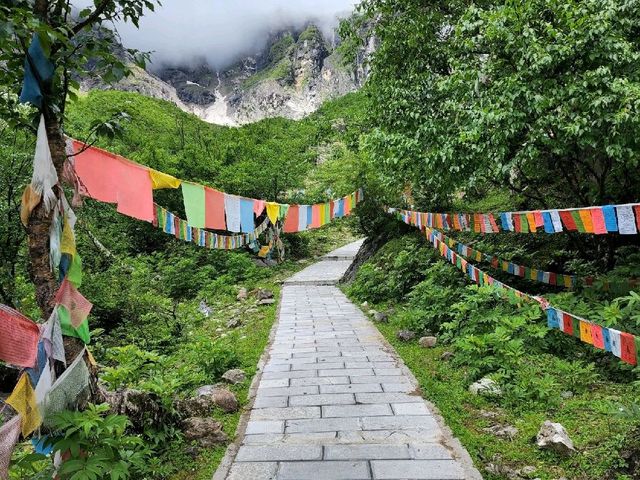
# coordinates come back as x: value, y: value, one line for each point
x: 181, y: 31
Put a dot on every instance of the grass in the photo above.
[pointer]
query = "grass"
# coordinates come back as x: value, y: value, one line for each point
x: 598, y: 435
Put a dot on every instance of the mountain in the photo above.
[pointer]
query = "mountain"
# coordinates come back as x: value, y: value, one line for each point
x: 292, y: 76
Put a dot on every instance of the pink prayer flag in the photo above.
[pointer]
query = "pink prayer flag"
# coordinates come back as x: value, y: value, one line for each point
x: 315, y: 216
x: 9, y: 435
x: 214, y: 209
x: 258, y: 207
x: 78, y: 306
x: 292, y: 219
x: 597, y: 219
x: 539, y: 221
x: 113, y: 179
x: 135, y: 191
x: 18, y: 338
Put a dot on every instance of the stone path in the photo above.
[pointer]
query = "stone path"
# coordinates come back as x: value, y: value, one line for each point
x: 334, y: 401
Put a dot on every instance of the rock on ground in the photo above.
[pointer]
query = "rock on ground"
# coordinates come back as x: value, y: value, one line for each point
x: 225, y: 399
x: 553, y: 436
x: 234, y: 376
x: 206, y: 431
x: 405, y: 335
x: 428, y: 342
x: 242, y: 294
x: 485, y: 386
x: 380, y: 317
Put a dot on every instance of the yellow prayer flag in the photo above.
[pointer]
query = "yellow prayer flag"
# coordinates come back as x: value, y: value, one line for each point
x: 273, y: 211
x: 585, y: 332
x: 92, y: 360
x: 161, y: 180
x: 567, y: 281
x: 30, y: 200
x: 68, y: 243
x: 23, y: 401
x: 585, y: 216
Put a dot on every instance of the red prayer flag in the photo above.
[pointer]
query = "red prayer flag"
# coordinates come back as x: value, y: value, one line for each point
x: 637, y: 211
x: 18, y: 338
x: 568, y: 220
x: 596, y: 336
x: 516, y: 223
x: 552, y: 278
x: 292, y: 219
x: 538, y: 219
x: 331, y: 207
x: 78, y: 306
x: 628, y: 348
x: 568, y: 324
x: 214, y: 209
x: 597, y: 219
x: 494, y: 225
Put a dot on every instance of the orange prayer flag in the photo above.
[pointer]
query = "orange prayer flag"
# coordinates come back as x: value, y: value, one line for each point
x: 531, y: 220
x: 585, y: 332
x: 292, y: 219
x: 585, y: 216
x: 214, y: 209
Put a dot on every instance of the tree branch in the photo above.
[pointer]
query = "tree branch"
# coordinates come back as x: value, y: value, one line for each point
x: 92, y: 17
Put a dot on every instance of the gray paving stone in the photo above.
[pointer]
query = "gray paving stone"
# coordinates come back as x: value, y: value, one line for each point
x: 285, y: 413
x: 336, y: 470
x: 346, y: 371
x: 263, y: 402
x: 429, y: 451
x: 268, y: 453
x: 387, y: 398
x: 321, y: 425
x: 379, y: 379
x: 400, y: 422
x: 324, y: 399
x: 417, y: 470
x: 253, y: 471
x: 287, y: 391
x: 264, y: 426
x: 297, y: 382
x: 366, y: 452
x: 398, y: 387
x: 352, y: 388
x: 410, y: 409
x: 390, y: 437
x: 355, y: 410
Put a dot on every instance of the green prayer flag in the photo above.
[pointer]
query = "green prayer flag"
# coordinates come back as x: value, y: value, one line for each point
x: 576, y: 218
x: 284, y: 209
x: 194, y: 204
x: 82, y: 332
x: 576, y: 327
x: 327, y: 212
x: 527, y: 273
x: 524, y: 223
x: 74, y: 274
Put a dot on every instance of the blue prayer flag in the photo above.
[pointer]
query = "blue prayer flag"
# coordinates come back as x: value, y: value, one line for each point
x: 610, y: 221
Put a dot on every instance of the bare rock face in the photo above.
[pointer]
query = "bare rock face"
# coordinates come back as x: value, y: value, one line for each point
x: 405, y: 335
x: 234, y: 376
x: 234, y: 323
x: 207, y: 431
x: 553, y: 436
x: 225, y: 399
x: 427, y: 342
x: 263, y: 294
x: 446, y: 356
x: 486, y: 386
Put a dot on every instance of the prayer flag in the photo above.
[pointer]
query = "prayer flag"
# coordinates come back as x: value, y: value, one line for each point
x: 539, y: 221
x: 30, y: 200
x: 616, y: 345
x: 247, y: 222
x: 18, y: 338
x: 161, y: 180
x: 568, y: 220
x: 273, y: 211
x: 37, y: 59
x: 531, y: 221
x: 628, y: 346
x: 258, y: 207
x: 585, y: 332
x: 606, y: 339
x: 82, y: 332
x: 302, y: 218
x: 23, y: 401
x: 548, y: 222
x: 315, y: 222
x: 552, y: 318
x: 575, y: 214
x: 52, y: 337
x: 597, y: 336
x: 597, y: 218
x: 557, y: 222
x: 194, y: 204
x: 610, y: 220
x: 637, y: 210
x: 9, y: 435
x: 567, y: 324
x: 575, y: 326
x: 585, y: 216
x: 626, y: 220
x: 292, y: 221
x: 507, y: 221
x: 78, y: 306
x: 214, y: 209
x: 232, y: 209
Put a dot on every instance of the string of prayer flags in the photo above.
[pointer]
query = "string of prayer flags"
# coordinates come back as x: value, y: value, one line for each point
x: 23, y: 401
x: 9, y: 435
x: 38, y: 71
x: 622, y: 219
x: 111, y: 178
x: 18, y: 338
x: 621, y: 344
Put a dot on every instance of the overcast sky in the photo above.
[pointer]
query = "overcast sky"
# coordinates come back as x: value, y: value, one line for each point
x: 221, y: 30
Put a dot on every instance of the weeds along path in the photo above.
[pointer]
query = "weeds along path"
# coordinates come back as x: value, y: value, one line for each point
x: 334, y: 400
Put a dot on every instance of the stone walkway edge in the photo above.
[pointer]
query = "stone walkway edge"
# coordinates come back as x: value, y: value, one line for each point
x: 333, y: 401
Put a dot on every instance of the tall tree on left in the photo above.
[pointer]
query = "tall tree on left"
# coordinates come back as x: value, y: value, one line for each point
x: 75, y: 43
